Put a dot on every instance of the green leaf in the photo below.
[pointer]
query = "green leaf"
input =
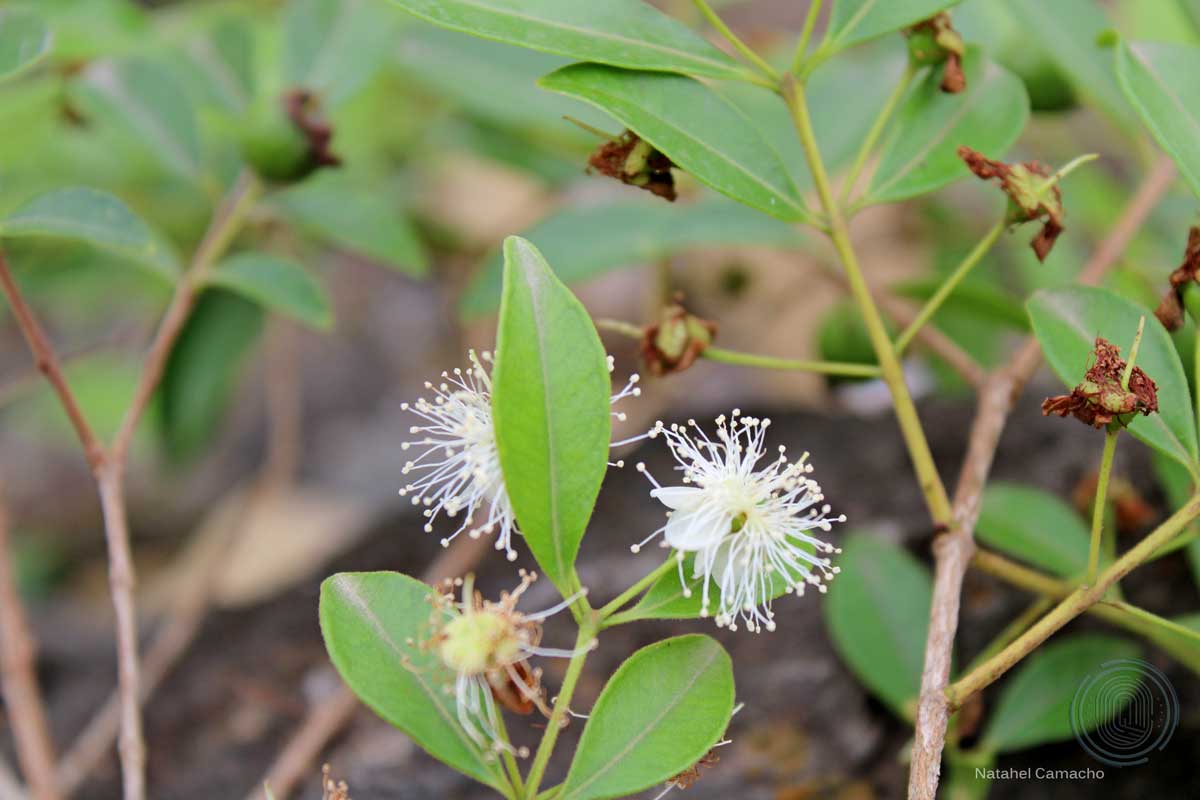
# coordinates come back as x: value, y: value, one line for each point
x: 277, y: 285
x: 1034, y: 526
x: 24, y: 41
x: 877, y: 613
x: 659, y: 713
x: 356, y: 218
x: 221, y: 65
x: 141, y: 98
x: 1160, y: 82
x: 95, y: 218
x: 622, y: 33
x: 202, y: 370
x: 335, y: 46
x: 697, y: 128
x: 1178, y: 486
x: 582, y: 243
x: 973, y: 299
x: 1034, y: 707
x: 1067, y: 31
x: 550, y: 404
x: 855, y: 21
x: 370, y: 621
x: 1067, y: 321
x: 920, y: 154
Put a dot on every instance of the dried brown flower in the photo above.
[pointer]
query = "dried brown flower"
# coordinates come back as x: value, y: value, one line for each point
x: 1101, y: 399
x: 934, y: 41
x: 303, y: 108
x: 331, y: 789
x: 675, y: 342
x: 1170, y: 310
x: 1031, y: 195
x: 1131, y: 511
x: 634, y: 161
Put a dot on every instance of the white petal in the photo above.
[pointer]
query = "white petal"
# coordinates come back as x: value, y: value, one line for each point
x: 688, y: 530
x: 677, y: 497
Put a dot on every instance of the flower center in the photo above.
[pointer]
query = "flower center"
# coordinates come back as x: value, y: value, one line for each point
x: 479, y: 641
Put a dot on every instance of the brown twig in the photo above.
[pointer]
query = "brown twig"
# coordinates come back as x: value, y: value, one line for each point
x: 18, y: 681
x: 108, y: 465
x: 190, y: 608
x: 301, y: 751
x: 953, y: 550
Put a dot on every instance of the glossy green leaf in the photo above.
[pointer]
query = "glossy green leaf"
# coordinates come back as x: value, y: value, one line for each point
x: 370, y: 621
x: 276, y: 284
x: 361, y: 220
x: 24, y: 41
x: 95, y: 218
x: 143, y: 99
x: 333, y: 47
x: 698, y: 129
x: 1035, y: 527
x: 855, y: 21
x: 583, y: 243
x: 550, y: 405
x: 659, y: 713
x: 1068, y: 32
x: 1035, y: 704
x: 920, y: 154
x: 623, y: 33
x: 202, y: 370
x: 1067, y: 321
x: 1160, y: 82
x: 877, y: 613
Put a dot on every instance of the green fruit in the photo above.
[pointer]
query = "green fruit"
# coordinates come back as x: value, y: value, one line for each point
x: 274, y: 147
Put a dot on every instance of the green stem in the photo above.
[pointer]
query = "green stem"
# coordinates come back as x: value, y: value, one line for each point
x: 1074, y: 604
x: 724, y: 356
x: 810, y: 23
x: 1014, y: 629
x: 510, y: 760
x: 747, y: 53
x: 841, y: 368
x: 893, y: 373
x: 1141, y: 618
x: 558, y: 715
x: 1100, y: 503
x: 948, y: 286
x: 877, y: 129
x: 639, y: 587
x: 1133, y: 352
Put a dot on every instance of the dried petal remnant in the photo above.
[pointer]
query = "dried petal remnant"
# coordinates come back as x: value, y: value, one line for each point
x: 1032, y: 194
x: 1170, y: 310
x: 675, y: 342
x: 1101, y: 399
x: 634, y: 161
x: 934, y: 41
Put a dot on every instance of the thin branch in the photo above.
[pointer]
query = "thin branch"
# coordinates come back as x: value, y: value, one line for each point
x: 47, y: 362
x: 743, y: 49
x: 18, y: 680
x: 300, y: 753
x: 952, y: 551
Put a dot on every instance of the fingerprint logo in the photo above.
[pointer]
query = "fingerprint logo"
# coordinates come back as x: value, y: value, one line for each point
x: 1124, y: 711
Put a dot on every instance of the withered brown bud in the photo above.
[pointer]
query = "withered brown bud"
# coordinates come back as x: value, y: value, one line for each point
x: 634, y: 161
x: 689, y: 776
x: 304, y: 110
x: 1030, y: 196
x: 1170, y: 309
x: 1100, y: 399
x: 934, y: 41
x: 675, y: 342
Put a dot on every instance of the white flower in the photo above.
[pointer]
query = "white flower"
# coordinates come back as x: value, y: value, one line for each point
x: 487, y: 646
x: 748, y: 523
x: 458, y: 469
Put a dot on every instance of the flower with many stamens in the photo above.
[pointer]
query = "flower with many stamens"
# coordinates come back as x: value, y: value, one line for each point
x: 458, y: 468
x: 748, y: 523
x: 487, y: 645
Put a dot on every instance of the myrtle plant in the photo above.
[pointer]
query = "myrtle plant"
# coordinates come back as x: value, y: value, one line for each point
x: 516, y: 446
